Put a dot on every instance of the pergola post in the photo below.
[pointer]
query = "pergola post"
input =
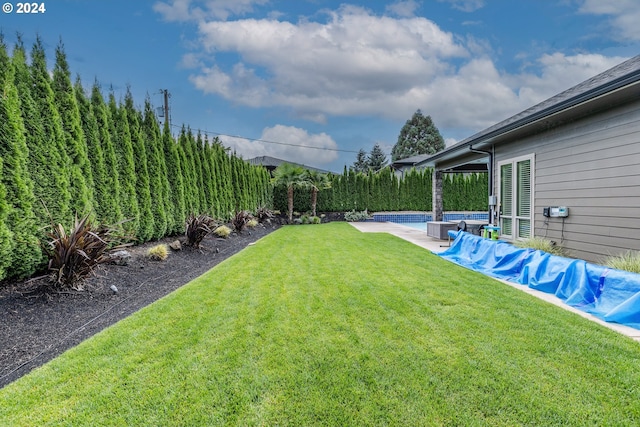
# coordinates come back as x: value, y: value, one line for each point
x: 436, y: 195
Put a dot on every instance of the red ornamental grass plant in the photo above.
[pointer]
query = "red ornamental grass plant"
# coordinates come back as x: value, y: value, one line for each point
x: 74, y: 255
x: 197, y: 229
x: 240, y: 220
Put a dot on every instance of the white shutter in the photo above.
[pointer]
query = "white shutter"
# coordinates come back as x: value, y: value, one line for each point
x: 524, y: 188
x: 506, y: 198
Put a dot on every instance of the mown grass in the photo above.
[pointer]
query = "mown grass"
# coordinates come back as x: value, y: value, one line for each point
x: 323, y: 325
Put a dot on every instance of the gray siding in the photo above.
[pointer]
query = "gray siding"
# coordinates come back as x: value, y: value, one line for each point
x: 593, y: 167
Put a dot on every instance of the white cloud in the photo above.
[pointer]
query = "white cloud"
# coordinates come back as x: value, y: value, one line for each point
x: 625, y: 16
x: 465, y: 5
x: 345, y: 66
x: 404, y: 9
x: 560, y: 72
x: 287, y: 143
x: 359, y: 64
x: 448, y: 142
x: 189, y: 10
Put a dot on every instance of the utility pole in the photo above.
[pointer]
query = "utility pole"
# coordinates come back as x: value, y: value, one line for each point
x: 166, y: 94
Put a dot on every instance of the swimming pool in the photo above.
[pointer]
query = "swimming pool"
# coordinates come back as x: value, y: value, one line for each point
x: 419, y: 225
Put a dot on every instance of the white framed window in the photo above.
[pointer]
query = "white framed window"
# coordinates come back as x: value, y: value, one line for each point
x: 516, y: 197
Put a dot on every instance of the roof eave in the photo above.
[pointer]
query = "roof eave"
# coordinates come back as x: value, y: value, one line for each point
x: 481, y: 139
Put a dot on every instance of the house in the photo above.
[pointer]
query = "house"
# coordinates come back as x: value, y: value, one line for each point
x: 567, y: 169
x: 401, y: 166
x: 271, y: 163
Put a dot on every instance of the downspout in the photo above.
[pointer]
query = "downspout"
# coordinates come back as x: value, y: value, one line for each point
x: 490, y: 171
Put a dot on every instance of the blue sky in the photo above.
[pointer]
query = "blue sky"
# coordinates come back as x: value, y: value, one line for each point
x: 277, y: 77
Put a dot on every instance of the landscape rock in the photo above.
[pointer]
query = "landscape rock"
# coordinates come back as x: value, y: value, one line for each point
x: 121, y: 257
x: 176, y: 245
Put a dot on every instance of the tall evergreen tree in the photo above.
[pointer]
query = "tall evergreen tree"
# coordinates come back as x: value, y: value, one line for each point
x: 207, y: 175
x: 121, y: 137
x: 377, y: 159
x: 197, y: 163
x: 222, y: 164
x: 176, y: 182
x: 91, y: 134
x: 110, y: 205
x: 20, y: 219
x: 141, y: 169
x: 6, y: 237
x: 80, y: 173
x: 216, y: 178
x: 37, y: 157
x: 158, y: 179
x: 188, y: 173
x: 418, y: 136
x: 52, y: 183
x: 361, y: 164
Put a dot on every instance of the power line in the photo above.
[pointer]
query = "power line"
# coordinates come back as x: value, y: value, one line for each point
x: 270, y: 142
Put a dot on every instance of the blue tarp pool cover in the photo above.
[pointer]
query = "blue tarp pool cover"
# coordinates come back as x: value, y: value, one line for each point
x: 611, y: 295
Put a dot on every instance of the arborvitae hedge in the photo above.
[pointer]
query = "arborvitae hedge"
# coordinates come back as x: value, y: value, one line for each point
x: 6, y: 236
x: 158, y: 180
x: 80, y: 173
x: 73, y: 153
x: 192, y: 204
x: 95, y: 156
x: 51, y: 137
x: 50, y: 170
x: 143, y: 192
x: 384, y: 191
x: 121, y: 137
x: 177, y: 200
x: 17, y: 214
x: 110, y: 203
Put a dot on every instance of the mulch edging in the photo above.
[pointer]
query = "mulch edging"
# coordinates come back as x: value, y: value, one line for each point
x: 37, y: 327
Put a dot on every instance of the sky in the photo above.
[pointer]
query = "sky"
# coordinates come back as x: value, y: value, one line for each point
x: 314, y: 81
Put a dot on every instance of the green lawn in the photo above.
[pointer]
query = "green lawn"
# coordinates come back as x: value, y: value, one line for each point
x: 324, y: 325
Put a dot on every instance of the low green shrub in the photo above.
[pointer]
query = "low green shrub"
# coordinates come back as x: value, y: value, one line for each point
x: 315, y: 220
x: 541, y: 244
x: 354, y: 216
x: 628, y: 261
x: 252, y: 223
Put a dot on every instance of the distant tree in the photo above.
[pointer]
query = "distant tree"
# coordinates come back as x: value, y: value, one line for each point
x: 361, y: 164
x: 290, y: 176
x: 377, y: 159
x: 418, y: 136
x: 317, y: 181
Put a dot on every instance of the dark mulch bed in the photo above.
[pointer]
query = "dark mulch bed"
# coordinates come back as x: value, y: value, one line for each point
x: 38, y: 326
